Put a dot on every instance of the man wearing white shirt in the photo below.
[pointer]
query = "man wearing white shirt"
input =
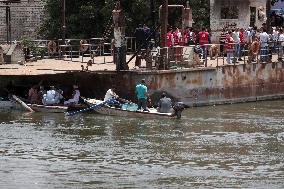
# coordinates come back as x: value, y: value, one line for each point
x: 264, y: 39
x: 110, y: 94
x: 275, y: 35
x: 281, y: 43
x: 236, y: 38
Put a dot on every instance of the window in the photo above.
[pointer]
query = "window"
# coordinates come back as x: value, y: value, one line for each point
x: 229, y: 12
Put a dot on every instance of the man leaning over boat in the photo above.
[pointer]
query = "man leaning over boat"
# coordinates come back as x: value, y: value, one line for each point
x: 110, y: 94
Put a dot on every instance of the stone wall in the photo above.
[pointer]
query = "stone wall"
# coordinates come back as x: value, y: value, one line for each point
x: 243, y: 21
x: 26, y: 18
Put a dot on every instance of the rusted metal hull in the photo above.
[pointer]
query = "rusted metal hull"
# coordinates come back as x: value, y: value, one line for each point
x: 193, y: 86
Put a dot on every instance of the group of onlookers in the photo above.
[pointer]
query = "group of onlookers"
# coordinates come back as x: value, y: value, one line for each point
x: 256, y: 41
x: 233, y: 42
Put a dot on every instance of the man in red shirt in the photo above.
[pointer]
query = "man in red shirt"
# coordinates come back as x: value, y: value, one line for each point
x: 242, y: 42
x: 177, y: 36
x: 229, y: 47
x: 203, y: 40
x: 170, y: 39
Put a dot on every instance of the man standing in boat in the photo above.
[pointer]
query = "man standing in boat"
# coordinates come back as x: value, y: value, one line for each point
x: 142, y: 93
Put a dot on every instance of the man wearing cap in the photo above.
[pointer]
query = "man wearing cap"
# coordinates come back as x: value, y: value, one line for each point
x: 142, y: 93
x: 165, y: 104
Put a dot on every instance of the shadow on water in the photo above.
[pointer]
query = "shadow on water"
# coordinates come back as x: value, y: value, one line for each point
x: 235, y: 146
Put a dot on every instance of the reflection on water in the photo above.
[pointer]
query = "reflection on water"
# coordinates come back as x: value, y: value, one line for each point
x: 234, y: 146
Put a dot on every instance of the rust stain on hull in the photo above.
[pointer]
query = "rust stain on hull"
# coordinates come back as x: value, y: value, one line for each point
x: 194, y: 87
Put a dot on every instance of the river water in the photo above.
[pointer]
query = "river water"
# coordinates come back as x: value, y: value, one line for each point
x: 232, y: 146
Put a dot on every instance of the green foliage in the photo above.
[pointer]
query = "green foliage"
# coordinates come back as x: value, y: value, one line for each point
x: 28, y: 43
x: 88, y: 18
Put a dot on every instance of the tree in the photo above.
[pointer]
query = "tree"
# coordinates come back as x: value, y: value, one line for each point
x: 88, y: 18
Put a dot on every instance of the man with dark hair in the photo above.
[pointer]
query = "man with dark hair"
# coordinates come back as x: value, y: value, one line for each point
x: 264, y: 40
x: 165, y: 104
x: 229, y: 47
x: 203, y: 40
x: 191, y: 36
x: 142, y: 94
x: 140, y: 37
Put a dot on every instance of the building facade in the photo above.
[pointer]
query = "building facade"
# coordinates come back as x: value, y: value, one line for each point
x: 230, y: 14
x: 26, y: 18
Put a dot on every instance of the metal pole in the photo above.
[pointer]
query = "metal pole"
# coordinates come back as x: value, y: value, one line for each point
x: 153, y: 15
x: 7, y: 23
x: 63, y: 27
x: 63, y: 21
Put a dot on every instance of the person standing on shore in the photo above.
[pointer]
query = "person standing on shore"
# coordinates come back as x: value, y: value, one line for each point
x: 142, y: 94
x: 229, y: 46
x: 203, y: 40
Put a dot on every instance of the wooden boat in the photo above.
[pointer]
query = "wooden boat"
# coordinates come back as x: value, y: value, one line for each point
x: 128, y: 110
x: 14, y: 105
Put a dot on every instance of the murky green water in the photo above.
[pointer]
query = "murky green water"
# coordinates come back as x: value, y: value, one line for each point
x: 233, y: 146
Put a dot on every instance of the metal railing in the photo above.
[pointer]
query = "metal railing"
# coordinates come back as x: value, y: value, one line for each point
x: 72, y: 48
x: 216, y: 55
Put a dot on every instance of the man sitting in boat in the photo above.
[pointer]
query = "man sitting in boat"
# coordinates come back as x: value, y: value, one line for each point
x: 110, y: 94
x: 165, y: 105
x: 41, y: 92
x: 75, y: 97
x: 52, y: 97
x: 33, y: 95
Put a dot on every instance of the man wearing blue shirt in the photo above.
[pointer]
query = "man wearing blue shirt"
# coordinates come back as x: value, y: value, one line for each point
x: 142, y: 93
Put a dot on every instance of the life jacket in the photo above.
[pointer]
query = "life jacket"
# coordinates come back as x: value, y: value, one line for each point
x: 186, y: 38
x: 169, y: 39
x: 242, y: 37
x: 181, y: 41
x: 203, y: 38
x: 228, y: 44
x: 176, y: 38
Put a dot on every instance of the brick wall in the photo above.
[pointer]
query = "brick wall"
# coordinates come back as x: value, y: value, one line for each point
x: 25, y: 19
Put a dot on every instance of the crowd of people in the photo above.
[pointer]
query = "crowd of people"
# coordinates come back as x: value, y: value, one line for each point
x: 235, y: 43
x: 53, y: 96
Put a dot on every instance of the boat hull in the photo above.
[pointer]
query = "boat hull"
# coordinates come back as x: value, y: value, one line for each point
x: 112, y: 111
x: 48, y: 109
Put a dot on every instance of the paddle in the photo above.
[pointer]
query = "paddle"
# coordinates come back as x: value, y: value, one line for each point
x: 93, y: 107
x: 23, y: 104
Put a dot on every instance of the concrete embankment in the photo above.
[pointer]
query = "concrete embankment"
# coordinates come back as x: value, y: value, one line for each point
x: 193, y: 86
